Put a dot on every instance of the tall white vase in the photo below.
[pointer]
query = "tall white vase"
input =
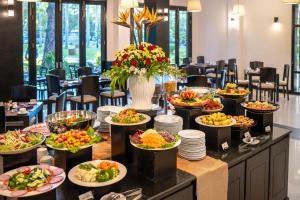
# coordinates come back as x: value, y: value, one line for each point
x: 141, y: 90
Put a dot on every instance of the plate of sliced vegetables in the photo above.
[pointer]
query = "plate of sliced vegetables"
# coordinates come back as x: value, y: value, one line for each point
x: 97, y: 173
x: 128, y: 117
x: 154, y: 140
x: 73, y: 140
x: 31, y: 180
x: 16, y: 142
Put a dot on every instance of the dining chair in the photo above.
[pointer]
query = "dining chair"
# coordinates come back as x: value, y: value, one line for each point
x: 186, y: 61
x: 216, y: 74
x: 242, y: 82
x: 84, y: 71
x: 61, y: 102
x: 23, y: 93
x: 197, y: 81
x: 116, y: 97
x: 89, y: 94
x: 53, y: 90
x: 201, y: 60
x: 73, y: 71
x: 231, y: 70
x: 61, y: 73
x: 267, y: 82
x: 285, y: 81
x: 2, y: 120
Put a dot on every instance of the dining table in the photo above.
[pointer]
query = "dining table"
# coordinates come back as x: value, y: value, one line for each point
x: 76, y: 84
x: 34, y: 113
x: 252, y: 74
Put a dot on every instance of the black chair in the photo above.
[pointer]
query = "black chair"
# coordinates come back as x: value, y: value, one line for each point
x: 114, y: 97
x: 256, y: 65
x: 197, y: 81
x: 41, y: 82
x: 73, y: 71
x: 267, y: 82
x: 23, y: 93
x: 216, y: 75
x: 89, y: 93
x: 285, y: 81
x: 201, y: 60
x: 232, y: 70
x: 187, y: 61
x: 53, y: 90
x: 61, y: 102
x: 242, y: 82
x: 61, y: 73
x: 84, y: 71
x: 2, y: 120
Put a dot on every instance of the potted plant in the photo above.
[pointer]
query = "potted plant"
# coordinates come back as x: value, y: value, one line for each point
x: 139, y: 63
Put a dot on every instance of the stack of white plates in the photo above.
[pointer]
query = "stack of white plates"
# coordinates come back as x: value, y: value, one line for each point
x: 102, y: 113
x: 192, y: 145
x: 168, y: 123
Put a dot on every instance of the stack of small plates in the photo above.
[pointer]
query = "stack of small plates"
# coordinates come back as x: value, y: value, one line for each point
x: 168, y: 123
x: 192, y: 145
x: 102, y: 113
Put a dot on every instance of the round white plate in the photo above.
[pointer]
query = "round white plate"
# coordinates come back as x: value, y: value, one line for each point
x: 109, y: 120
x: 73, y: 179
x: 255, y: 141
x: 65, y: 149
x: 23, y: 150
x: 7, y: 193
x: 191, y: 134
x: 158, y: 149
x: 199, y: 121
x: 213, y: 111
x: 22, y: 113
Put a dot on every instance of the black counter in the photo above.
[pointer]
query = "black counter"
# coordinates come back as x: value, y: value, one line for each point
x: 233, y: 156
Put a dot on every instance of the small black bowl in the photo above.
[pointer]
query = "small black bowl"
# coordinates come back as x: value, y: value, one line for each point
x: 55, y: 124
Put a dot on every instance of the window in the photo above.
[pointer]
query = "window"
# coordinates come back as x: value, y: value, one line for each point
x: 180, y: 34
x: 62, y: 32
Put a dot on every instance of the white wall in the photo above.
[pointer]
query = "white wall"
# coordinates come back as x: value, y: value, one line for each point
x: 252, y: 37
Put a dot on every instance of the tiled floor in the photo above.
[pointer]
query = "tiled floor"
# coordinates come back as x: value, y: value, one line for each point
x: 289, y: 115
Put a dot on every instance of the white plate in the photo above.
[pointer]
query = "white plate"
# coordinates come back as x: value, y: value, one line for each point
x: 191, y: 134
x: 213, y: 111
x: 109, y: 120
x: 158, y: 149
x: 255, y: 141
x: 73, y: 179
x: 22, y: 113
x: 199, y: 121
x: 65, y: 149
x: 7, y: 193
x: 22, y: 150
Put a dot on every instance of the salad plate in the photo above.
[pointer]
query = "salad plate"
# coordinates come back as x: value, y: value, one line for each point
x: 97, y: 173
x: 199, y: 120
x: 16, y: 142
x: 40, y: 179
x: 153, y: 140
x: 260, y: 106
x: 110, y: 121
x: 38, y: 128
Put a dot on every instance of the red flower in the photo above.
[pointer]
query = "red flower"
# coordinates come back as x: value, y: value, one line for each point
x: 134, y: 63
x: 148, y: 62
x: 125, y: 56
x: 166, y: 59
x: 159, y: 59
x: 151, y: 47
x: 141, y: 48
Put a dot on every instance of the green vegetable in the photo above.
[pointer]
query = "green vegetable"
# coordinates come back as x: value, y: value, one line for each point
x: 103, y: 176
x: 87, y: 167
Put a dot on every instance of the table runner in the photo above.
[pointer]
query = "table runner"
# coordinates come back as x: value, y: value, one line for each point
x: 212, y: 174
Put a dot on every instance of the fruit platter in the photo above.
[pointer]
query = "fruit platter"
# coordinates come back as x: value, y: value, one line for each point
x: 31, y: 180
x: 73, y: 140
x: 260, y: 106
x: 154, y: 140
x: 16, y: 142
x: 187, y: 98
x: 61, y: 122
x: 243, y: 122
x: 213, y: 106
x: 38, y: 128
x: 97, y: 173
x: 128, y: 117
x: 216, y: 120
x: 232, y: 91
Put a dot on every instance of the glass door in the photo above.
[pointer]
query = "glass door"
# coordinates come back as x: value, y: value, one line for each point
x: 94, y: 36
x: 25, y: 43
x: 172, y: 35
x: 70, y: 36
x: 45, y: 38
x: 183, y: 33
x: 296, y: 50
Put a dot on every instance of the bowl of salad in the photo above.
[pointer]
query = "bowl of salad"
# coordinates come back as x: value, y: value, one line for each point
x: 61, y: 122
x: 154, y: 140
x: 97, y: 173
x: 73, y: 140
x: 16, y: 142
x: 128, y: 117
x: 31, y: 180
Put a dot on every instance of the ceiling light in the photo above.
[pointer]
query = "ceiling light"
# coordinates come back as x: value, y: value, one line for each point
x: 127, y: 4
x: 10, y: 2
x: 291, y: 1
x: 29, y: 0
x: 10, y: 13
x: 194, y: 6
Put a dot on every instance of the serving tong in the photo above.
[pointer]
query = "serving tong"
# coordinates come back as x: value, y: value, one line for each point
x: 134, y: 194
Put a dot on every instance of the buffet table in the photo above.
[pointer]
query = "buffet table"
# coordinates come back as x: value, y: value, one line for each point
x: 211, y: 174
